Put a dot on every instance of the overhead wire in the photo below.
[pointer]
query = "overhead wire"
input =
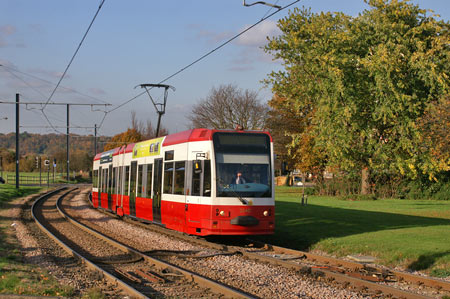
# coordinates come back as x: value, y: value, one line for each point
x: 67, y: 68
x: 44, y: 116
x: 26, y: 83
x: 265, y: 17
x: 271, y: 7
x: 73, y: 56
x: 51, y: 83
x: 205, y: 55
x: 50, y: 123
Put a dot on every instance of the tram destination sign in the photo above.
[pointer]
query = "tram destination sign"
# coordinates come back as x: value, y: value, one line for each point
x: 106, y: 157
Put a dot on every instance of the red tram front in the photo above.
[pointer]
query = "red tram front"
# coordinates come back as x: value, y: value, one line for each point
x: 200, y: 181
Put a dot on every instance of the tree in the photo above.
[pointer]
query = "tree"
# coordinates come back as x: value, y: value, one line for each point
x: 137, y: 132
x: 436, y: 139
x: 130, y: 136
x: 228, y: 106
x: 147, y: 131
x: 294, y: 144
x: 368, y: 80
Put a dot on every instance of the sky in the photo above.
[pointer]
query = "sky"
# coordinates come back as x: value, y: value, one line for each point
x: 131, y: 43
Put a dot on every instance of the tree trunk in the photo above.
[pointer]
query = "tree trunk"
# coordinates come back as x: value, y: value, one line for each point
x: 365, y: 186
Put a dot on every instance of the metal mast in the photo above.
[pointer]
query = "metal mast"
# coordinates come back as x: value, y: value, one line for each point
x: 160, y: 107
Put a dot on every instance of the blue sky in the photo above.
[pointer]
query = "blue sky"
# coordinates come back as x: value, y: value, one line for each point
x: 134, y: 42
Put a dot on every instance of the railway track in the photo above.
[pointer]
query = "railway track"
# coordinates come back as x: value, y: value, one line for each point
x: 135, y: 273
x: 354, y: 269
x: 370, y: 279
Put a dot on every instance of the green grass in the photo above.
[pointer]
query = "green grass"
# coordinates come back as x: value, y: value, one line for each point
x: 23, y: 279
x: 32, y: 178
x: 9, y: 192
x: 413, y: 234
x: 17, y: 277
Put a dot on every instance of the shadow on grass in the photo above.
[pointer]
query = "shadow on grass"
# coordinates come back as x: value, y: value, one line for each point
x: 6, y: 248
x: 300, y: 227
x: 427, y: 261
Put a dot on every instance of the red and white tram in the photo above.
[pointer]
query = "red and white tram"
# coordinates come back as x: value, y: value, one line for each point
x: 200, y: 181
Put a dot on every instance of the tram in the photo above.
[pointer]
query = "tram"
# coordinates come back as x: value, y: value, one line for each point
x: 200, y: 182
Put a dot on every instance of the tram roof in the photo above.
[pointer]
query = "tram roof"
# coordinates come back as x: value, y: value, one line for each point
x: 177, y: 138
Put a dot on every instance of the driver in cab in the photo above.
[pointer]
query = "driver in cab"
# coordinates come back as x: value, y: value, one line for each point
x: 239, y: 179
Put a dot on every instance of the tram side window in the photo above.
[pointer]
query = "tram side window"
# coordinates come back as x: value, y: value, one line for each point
x: 126, y: 179
x: 140, y: 181
x: 149, y: 180
x: 110, y: 174
x: 95, y: 179
x: 104, y: 180
x: 168, y: 178
x: 196, y: 178
x: 120, y: 181
x: 201, y: 179
x: 100, y: 172
x: 105, y: 186
x: 113, y: 181
x: 207, y: 178
x: 179, y: 177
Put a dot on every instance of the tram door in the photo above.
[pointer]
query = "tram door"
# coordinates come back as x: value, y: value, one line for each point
x: 133, y: 188
x: 157, y: 182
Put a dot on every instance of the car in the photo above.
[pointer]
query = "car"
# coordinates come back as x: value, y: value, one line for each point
x: 297, y: 181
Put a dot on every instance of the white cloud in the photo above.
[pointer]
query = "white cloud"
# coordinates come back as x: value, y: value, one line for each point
x: 3, y: 43
x: 97, y: 91
x: 7, y: 29
x: 37, y: 28
x: 48, y: 73
x: 257, y: 36
x: 210, y: 36
x: 248, y: 46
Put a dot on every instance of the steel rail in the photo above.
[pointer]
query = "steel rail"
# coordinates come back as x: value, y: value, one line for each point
x: 111, y: 278
x: 420, y: 280
x: 200, y: 280
x: 313, y: 257
x: 342, y: 278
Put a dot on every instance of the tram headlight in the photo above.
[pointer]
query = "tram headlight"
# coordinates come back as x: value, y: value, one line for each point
x: 222, y: 213
x: 266, y: 213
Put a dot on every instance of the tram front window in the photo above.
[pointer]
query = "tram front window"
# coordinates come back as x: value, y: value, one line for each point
x: 243, y: 165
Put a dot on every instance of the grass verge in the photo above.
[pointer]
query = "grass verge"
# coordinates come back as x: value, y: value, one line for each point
x: 413, y: 234
x: 17, y: 277
x: 9, y: 192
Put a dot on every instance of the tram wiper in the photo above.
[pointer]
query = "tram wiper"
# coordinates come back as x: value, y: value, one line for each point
x: 232, y: 191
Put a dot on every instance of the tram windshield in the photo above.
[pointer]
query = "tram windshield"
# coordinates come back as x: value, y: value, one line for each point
x: 242, y: 164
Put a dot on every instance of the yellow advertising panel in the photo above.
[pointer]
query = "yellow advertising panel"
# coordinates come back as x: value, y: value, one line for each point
x: 147, y: 148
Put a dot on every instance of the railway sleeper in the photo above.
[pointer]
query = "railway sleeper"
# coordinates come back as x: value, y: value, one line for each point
x: 128, y: 275
x: 150, y: 276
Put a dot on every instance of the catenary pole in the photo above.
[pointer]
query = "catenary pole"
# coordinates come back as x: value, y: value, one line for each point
x: 67, y: 143
x: 95, y: 140
x: 17, y: 140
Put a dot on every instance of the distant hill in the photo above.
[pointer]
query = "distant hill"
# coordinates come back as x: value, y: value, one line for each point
x: 50, y: 144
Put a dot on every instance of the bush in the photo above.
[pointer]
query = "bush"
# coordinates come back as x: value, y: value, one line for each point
x: 423, y: 188
x: 339, y: 185
x: 443, y: 193
x: 384, y: 184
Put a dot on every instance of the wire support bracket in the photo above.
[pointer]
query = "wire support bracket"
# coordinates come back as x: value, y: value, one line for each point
x: 263, y: 3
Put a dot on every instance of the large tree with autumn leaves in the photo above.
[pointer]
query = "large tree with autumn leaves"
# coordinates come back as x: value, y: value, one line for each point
x: 361, y: 86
